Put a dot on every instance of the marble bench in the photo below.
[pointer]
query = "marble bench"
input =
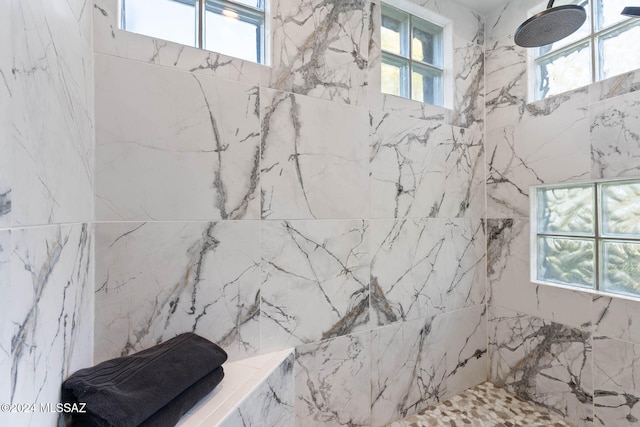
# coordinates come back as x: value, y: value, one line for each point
x: 258, y: 391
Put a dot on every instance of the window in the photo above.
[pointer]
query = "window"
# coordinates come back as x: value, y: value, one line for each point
x: 235, y: 28
x: 588, y: 236
x: 602, y: 48
x: 412, y: 57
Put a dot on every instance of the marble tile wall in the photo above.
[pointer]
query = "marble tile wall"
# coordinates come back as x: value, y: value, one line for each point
x: 274, y: 206
x: 46, y: 201
x: 569, y: 351
x: 271, y: 403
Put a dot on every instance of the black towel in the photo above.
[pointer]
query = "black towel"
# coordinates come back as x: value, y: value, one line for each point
x: 160, y: 383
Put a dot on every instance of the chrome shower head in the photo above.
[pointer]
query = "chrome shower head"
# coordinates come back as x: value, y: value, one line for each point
x: 550, y: 25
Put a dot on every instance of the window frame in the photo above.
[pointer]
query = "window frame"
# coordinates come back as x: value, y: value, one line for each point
x: 201, y: 7
x: 592, y: 39
x: 446, y: 46
x: 598, y: 237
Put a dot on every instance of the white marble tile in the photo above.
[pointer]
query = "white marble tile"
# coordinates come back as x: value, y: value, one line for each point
x: 6, y: 101
x: 6, y: 328
x: 420, y: 168
x: 408, y: 368
x: 320, y: 49
x: 506, y: 65
x: 52, y: 113
x: 616, y: 318
x: 616, y: 375
x: 111, y: 40
x: 271, y: 403
x: 314, y: 158
x: 333, y: 382
x: 173, y: 145
x: 469, y: 92
x: 466, y: 344
x: 615, y: 86
x: 51, y: 313
x: 465, y: 284
x: 408, y: 259
x: 424, y: 267
x: 403, y: 176
x: 615, y: 137
x: 421, y: 362
x: 465, y: 190
x: 503, y: 21
x: 315, y: 281
x: 542, y: 362
x: 506, y: 83
x: 157, y: 280
x: 547, y: 145
x: 508, y: 272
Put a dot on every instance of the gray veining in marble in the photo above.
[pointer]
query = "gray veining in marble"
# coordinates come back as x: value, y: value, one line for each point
x: 418, y: 363
x: 270, y: 404
x: 320, y: 49
x: 157, y: 280
x: 6, y: 100
x: 5, y: 319
x: 543, y: 362
x: 616, y: 377
x: 194, y: 143
x: 309, y: 169
x: 52, y: 121
x: 333, y: 382
x: 412, y: 273
x: 421, y: 168
x: 52, y: 289
x: 615, y: 137
x: 314, y: 281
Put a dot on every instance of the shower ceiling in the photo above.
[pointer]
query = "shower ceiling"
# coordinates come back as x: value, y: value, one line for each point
x: 481, y: 6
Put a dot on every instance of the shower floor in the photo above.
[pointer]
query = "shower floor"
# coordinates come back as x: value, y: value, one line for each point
x: 483, y: 406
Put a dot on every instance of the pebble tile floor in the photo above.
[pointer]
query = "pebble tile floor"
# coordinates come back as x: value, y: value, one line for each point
x: 483, y: 406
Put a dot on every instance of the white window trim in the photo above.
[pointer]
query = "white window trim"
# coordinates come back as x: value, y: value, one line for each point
x: 533, y: 235
x: 447, y: 45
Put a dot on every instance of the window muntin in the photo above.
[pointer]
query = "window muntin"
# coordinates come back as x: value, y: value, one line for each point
x: 588, y: 236
x: 231, y: 27
x: 600, y: 49
x: 412, y: 57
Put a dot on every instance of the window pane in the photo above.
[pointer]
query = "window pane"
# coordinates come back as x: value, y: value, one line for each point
x: 393, y: 34
x: 426, y: 42
x: 233, y: 32
x: 582, y: 32
x: 566, y: 70
x: 621, y: 209
x: 394, y: 76
x: 258, y: 4
x: 426, y: 85
x: 566, y: 261
x: 619, y: 51
x: 608, y: 12
x: 620, y: 268
x: 164, y: 19
x: 566, y: 210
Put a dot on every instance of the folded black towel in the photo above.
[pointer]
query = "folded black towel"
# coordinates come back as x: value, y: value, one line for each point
x: 162, y: 382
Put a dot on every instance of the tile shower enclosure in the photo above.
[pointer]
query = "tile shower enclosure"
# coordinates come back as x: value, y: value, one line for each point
x: 149, y: 189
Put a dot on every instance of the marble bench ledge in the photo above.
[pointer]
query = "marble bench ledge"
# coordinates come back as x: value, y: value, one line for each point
x: 258, y: 391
